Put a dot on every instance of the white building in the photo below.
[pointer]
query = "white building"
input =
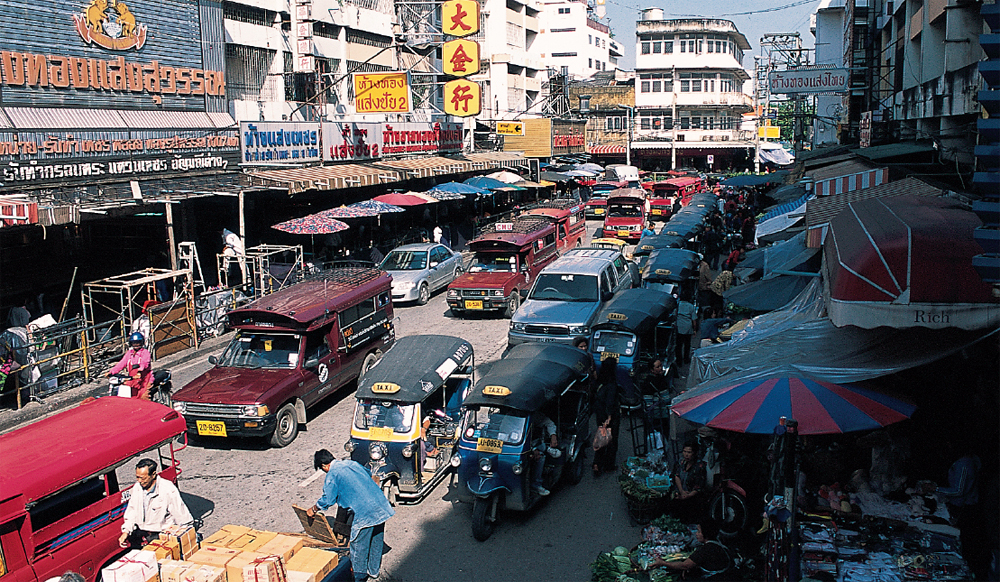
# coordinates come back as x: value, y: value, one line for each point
x: 571, y: 36
x: 827, y: 26
x: 688, y: 95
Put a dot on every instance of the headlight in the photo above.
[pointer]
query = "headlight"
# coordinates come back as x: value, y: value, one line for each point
x: 456, y: 460
x: 485, y: 465
x: 498, y: 292
x: 349, y: 446
x: 517, y: 326
x: 516, y: 469
x: 579, y: 330
x: 452, y: 292
x: 407, y: 451
x: 255, y: 410
x: 375, y: 451
x: 405, y: 285
x: 181, y: 407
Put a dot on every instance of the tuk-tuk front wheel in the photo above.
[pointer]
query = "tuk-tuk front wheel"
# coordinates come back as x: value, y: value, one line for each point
x: 484, y: 516
x: 390, y: 490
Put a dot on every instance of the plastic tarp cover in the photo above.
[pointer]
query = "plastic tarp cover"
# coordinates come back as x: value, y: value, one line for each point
x: 776, y: 155
x: 784, y: 256
x: 767, y: 294
x: 800, y: 337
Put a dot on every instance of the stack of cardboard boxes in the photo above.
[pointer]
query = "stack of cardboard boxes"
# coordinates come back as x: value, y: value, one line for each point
x: 232, y: 554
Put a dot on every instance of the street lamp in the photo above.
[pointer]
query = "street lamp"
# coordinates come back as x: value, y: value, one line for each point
x: 628, y: 134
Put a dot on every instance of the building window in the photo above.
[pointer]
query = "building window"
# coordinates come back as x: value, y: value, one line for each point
x: 246, y: 71
x: 645, y: 48
x: 248, y: 14
x: 685, y: 123
x: 691, y: 46
x: 564, y: 11
x: 564, y: 54
x: 685, y: 86
x: 701, y: 46
x: 657, y: 123
x: 683, y: 46
x: 590, y: 63
x: 645, y: 123
x: 696, y: 122
x: 656, y: 47
x: 656, y: 86
x: 710, y: 45
x: 367, y: 38
x: 644, y: 87
x: 718, y: 46
x: 696, y: 85
x: 590, y: 39
x: 562, y: 30
x: 668, y: 47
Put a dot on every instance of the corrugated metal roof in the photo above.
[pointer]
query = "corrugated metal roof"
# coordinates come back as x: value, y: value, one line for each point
x: 168, y: 120
x: 50, y: 118
x: 842, y: 169
x: 820, y: 211
x: 895, y: 150
x: 324, y: 177
x: 424, y: 167
x: 4, y: 120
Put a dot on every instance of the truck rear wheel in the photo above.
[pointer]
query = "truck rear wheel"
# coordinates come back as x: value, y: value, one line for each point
x: 286, y: 426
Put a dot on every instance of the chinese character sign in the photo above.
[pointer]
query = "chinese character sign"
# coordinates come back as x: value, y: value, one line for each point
x: 460, y: 17
x: 382, y: 92
x: 460, y: 57
x: 462, y: 98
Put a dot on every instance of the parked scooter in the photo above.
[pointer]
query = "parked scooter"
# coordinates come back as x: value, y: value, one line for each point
x: 158, y: 392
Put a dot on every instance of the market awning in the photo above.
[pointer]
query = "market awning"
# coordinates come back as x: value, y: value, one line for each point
x: 906, y: 262
x: 847, y: 176
x: 606, y: 150
x: 427, y: 166
x: 334, y: 177
x: 687, y: 145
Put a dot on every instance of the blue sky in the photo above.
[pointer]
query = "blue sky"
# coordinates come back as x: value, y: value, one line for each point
x: 765, y: 16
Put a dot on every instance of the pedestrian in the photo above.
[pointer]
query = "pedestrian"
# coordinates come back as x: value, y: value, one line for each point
x: 607, y: 412
x: 686, y: 324
x: 962, y: 498
x: 649, y: 230
x: 688, y: 500
x: 705, y: 278
x: 438, y: 233
x: 350, y: 486
x: 154, y: 504
x: 713, y: 245
x: 19, y: 315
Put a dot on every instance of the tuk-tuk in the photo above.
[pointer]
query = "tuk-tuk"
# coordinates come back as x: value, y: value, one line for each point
x: 501, y: 443
x: 636, y: 327
x: 673, y: 271
x: 408, y: 411
x: 654, y: 242
x: 615, y: 244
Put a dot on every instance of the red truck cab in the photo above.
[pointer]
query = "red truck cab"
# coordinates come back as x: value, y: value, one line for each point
x: 508, y: 257
x: 568, y: 218
x: 291, y: 349
x: 626, y: 214
x: 597, y: 205
x: 65, y: 482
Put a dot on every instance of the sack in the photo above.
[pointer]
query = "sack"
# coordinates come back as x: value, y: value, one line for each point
x: 603, y: 437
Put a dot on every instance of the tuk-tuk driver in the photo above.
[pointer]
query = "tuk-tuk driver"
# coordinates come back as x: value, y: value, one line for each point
x: 548, y: 431
x: 153, y: 504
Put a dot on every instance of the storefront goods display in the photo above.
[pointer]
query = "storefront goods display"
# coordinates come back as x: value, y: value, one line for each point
x: 135, y: 566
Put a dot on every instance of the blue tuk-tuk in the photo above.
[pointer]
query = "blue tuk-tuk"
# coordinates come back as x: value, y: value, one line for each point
x: 501, y: 442
x: 673, y: 271
x: 408, y: 411
x: 636, y: 327
x: 651, y: 243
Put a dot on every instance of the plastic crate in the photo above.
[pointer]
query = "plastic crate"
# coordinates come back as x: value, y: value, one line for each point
x: 658, y: 482
x: 633, y: 462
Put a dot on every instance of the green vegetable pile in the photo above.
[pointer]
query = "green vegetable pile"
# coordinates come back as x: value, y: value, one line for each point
x: 611, y: 566
x: 638, y: 491
x: 671, y: 524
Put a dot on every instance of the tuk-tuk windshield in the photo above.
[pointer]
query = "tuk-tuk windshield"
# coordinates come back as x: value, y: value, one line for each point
x: 614, y: 342
x: 383, y: 414
x: 492, y: 262
x: 262, y: 350
x: 557, y: 287
x: 489, y: 423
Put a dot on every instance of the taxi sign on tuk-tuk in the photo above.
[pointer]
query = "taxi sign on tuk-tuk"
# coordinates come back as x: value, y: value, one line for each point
x: 663, y: 271
x: 496, y: 391
x: 617, y: 316
x: 385, y: 388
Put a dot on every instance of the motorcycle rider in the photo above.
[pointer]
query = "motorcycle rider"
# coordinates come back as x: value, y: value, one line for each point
x: 137, y: 363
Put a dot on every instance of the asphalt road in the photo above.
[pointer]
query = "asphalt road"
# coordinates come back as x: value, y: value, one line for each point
x: 246, y: 482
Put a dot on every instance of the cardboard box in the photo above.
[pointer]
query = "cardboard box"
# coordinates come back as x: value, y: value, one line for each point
x: 135, y: 566
x: 282, y: 545
x: 234, y: 569
x: 173, y: 570
x: 252, y: 540
x: 214, y: 556
x: 300, y: 576
x: 314, y: 562
x: 164, y: 550
x: 225, y: 536
x: 185, y: 536
x: 203, y: 573
x: 267, y: 569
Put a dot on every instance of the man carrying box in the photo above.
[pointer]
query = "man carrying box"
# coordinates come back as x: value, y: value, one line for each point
x: 153, y: 505
x: 350, y: 485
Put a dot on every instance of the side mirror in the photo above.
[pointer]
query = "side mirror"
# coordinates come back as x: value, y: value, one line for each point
x: 434, y: 264
x: 213, y: 360
x: 311, y: 363
x: 606, y: 295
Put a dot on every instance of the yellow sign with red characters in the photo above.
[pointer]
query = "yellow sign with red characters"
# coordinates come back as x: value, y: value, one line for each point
x: 460, y: 57
x: 460, y: 17
x: 387, y: 92
x: 462, y: 98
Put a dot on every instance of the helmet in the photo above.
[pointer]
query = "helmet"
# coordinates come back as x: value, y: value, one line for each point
x: 136, y: 338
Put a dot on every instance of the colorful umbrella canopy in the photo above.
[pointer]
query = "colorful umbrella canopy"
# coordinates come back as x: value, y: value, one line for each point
x: 459, y: 188
x: 486, y: 182
x: 754, y: 406
x: 407, y: 199
x: 440, y: 196
x: 590, y: 167
x: 348, y: 212
x: 312, y: 224
x: 505, y: 176
x: 378, y: 207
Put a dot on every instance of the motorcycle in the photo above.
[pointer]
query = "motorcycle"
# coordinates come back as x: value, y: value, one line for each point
x: 727, y: 505
x: 158, y: 392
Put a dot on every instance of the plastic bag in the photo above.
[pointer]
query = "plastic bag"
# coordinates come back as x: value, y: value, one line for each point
x: 602, y: 438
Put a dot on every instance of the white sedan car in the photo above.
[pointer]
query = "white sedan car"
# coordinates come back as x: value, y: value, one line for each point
x: 418, y: 270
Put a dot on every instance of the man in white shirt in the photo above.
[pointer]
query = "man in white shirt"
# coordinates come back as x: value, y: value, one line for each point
x: 153, y: 505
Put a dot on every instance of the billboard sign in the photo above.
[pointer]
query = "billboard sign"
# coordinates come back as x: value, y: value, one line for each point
x: 279, y: 142
x: 382, y: 92
x: 462, y: 98
x: 809, y: 81
x: 373, y: 140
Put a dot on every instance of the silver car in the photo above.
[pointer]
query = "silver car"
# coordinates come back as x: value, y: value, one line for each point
x: 418, y: 270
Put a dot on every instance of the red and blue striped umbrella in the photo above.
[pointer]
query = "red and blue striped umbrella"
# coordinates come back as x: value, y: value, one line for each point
x: 754, y: 406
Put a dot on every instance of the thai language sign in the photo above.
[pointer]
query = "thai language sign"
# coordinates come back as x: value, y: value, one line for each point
x: 279, y: 142
x: 809, y: 81
x: 382, y: 92
x: 366, y: 141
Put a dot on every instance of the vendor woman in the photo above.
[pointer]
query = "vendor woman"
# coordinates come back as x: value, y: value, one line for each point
x: 709, y: 561
x: 688, y: 503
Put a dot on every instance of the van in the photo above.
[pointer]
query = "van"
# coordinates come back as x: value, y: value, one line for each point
x: 508, y: 257
x: 623, y: 173
x: 568, y: 217
x: 567, y: 295
x: 291, y: 349
x: 65, y: 481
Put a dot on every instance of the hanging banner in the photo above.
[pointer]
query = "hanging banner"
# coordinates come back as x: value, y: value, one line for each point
x: 460, y: 58
x: 382, y: 92
x: 462, y: 98
x: 460, y: 17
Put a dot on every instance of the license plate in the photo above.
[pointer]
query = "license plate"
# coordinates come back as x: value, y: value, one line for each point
x: 623, y: 233
x: 606, y: 355
x: 489, y: 445
x: 211, y: 428
x: 473, y: 304
x: 599, y: 211
x: 656, y: 211
x: 380, y: 433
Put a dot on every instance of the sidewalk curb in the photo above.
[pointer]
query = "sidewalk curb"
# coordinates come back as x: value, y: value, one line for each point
x: 32, y: 411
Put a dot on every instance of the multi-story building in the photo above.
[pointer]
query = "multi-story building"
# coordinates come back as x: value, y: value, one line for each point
x: 688, y: 94
x: 571, y: 36
x: 827, y: 27
x: 606, y: 100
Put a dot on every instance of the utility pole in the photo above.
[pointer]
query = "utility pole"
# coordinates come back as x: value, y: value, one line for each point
x: 674, y: 82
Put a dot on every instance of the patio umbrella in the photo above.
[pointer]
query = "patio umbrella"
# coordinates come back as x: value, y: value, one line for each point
x: 459, y: 188
x: 555, y: 177
x: 590, y: 167
x: 440, y: 195
x: 312, y: 224
x: 378, y: 207
x: 348, y: 212
x: 486, y: 182
x: 580, y: 173
x: 505, y: 176
x: 407, y: 199
x: 754, y: 406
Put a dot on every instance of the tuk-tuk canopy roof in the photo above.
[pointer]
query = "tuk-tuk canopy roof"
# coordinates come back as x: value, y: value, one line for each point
x: 533, y: 373
x: 636, y: 311
x: 627, y: 196
x: 414, y: 367
x: 652, y: 242
x: 671, y: 265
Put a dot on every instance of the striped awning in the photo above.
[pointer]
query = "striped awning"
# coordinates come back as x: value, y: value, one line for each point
x: 425, y: 167
x: 493, y: 160
x: 324, y: 177
x: 606, y: 149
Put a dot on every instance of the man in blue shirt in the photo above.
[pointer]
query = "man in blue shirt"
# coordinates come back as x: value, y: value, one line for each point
x: 349, y: 485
